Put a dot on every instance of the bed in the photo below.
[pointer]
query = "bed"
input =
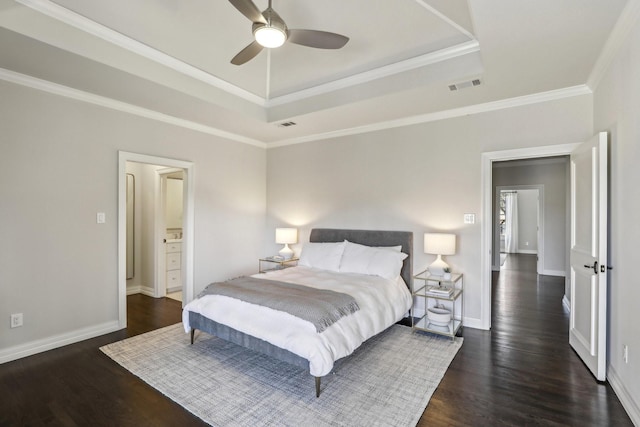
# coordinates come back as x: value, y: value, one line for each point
x: 382, y: 302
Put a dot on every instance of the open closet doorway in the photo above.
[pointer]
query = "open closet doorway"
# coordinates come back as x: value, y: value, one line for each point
x: 156, y: 221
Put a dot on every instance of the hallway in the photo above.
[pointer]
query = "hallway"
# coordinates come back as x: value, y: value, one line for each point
x: 523, y: 371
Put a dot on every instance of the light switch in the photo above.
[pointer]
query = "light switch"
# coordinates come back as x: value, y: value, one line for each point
x: 469, y: 218
x: 101, y: 218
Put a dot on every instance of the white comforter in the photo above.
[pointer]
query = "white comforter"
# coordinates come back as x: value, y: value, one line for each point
x: 382, y: 303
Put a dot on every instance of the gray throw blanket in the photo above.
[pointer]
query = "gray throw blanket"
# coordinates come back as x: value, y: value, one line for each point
x: 319, y: 306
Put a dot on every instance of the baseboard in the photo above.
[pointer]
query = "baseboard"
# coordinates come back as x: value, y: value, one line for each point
x: 528, y: 251
x: 134, y: 290
x: 49, y: 343
x: 566, y: 303
x: 144, y: 290
x: 174, y: 289
x: 472, y: 322
x: 632, y: 407
x: 559, y: 273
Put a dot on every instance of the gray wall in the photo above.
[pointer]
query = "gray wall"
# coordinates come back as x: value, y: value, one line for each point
x: 617, y: 110
x: 418, y: 178
x: 59, y: 166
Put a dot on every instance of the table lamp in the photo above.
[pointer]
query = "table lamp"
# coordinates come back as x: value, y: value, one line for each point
x: 439, y: 244
x: 286, y: 236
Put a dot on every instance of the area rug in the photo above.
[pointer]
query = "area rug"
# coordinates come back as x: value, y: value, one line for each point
x: 387, y: 381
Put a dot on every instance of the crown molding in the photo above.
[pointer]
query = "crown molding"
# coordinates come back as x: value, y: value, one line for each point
x: 82, y: 23
x: 619, y: 35
x: 61, y: 90
x: 442, y: 115
x: 79, y: 95
x: 378, y: 73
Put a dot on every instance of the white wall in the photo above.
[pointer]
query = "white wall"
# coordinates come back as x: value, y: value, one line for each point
x: 418, y: 178
x: 552, y: 176
x: 58, y: 167
x: 617, y: 110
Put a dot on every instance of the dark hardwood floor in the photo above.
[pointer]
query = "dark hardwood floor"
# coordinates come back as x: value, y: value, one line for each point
x: 522, y: 372
x: 77, y: 385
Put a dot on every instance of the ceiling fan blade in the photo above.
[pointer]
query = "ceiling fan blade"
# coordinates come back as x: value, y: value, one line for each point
x: 249, y: 9
x: 318, y: 39
x: 247, y: 54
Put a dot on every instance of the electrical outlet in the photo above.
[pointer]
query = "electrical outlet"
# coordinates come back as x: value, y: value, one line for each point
x: 469, y: 218
x: 16, y: 320
x: 625, y: 353
x: 101, y: 218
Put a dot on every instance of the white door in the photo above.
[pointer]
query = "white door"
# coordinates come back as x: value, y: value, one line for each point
x: 588, y: 320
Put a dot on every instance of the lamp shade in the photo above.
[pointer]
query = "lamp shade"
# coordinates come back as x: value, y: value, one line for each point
x: 439, y: 243
x: 286, y: 235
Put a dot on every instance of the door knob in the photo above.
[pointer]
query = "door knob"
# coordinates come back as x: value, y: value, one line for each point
x: 594, y: 266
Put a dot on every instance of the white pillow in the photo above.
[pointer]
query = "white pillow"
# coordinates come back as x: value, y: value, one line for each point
x: 322, y: 255
x: 377, y: 261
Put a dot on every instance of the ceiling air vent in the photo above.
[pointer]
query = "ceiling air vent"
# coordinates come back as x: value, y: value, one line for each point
x: 286, y: 124
x: 464, y: 85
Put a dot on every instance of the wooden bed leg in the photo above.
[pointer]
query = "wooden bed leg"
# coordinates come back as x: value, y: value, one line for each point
x: 193, y: 332
x: 317, y: 386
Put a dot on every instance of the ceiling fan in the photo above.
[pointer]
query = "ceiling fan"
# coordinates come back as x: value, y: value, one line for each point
x: 270, y: 31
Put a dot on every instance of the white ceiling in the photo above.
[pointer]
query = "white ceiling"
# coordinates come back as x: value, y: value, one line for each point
x: 169, y: 59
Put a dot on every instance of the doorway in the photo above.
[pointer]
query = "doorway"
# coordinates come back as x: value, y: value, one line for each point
x: 519, y: 223
x: 487, y: 255
x: 169, y: 219
x: 155, y: 227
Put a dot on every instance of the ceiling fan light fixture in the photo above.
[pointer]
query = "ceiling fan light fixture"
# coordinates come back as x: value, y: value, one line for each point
x: 270, y: 36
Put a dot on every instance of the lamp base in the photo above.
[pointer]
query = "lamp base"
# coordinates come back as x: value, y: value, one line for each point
x: 286, y: 252
x: 437, y: 267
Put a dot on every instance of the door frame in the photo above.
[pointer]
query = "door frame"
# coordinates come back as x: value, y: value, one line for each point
x: 187, y: 233
x: 486, y: 233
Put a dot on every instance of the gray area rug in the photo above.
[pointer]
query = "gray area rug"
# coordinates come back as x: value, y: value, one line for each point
x: 388, y: 381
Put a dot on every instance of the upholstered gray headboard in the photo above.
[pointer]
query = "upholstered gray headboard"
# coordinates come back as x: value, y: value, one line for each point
x: 371, y: 238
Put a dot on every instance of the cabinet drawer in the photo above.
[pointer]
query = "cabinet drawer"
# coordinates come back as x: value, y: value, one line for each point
x: 174, y: 247
x: 173, y: 261
x: 174, y: 278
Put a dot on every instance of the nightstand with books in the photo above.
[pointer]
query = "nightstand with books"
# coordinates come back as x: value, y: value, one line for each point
x: 442, y: 300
